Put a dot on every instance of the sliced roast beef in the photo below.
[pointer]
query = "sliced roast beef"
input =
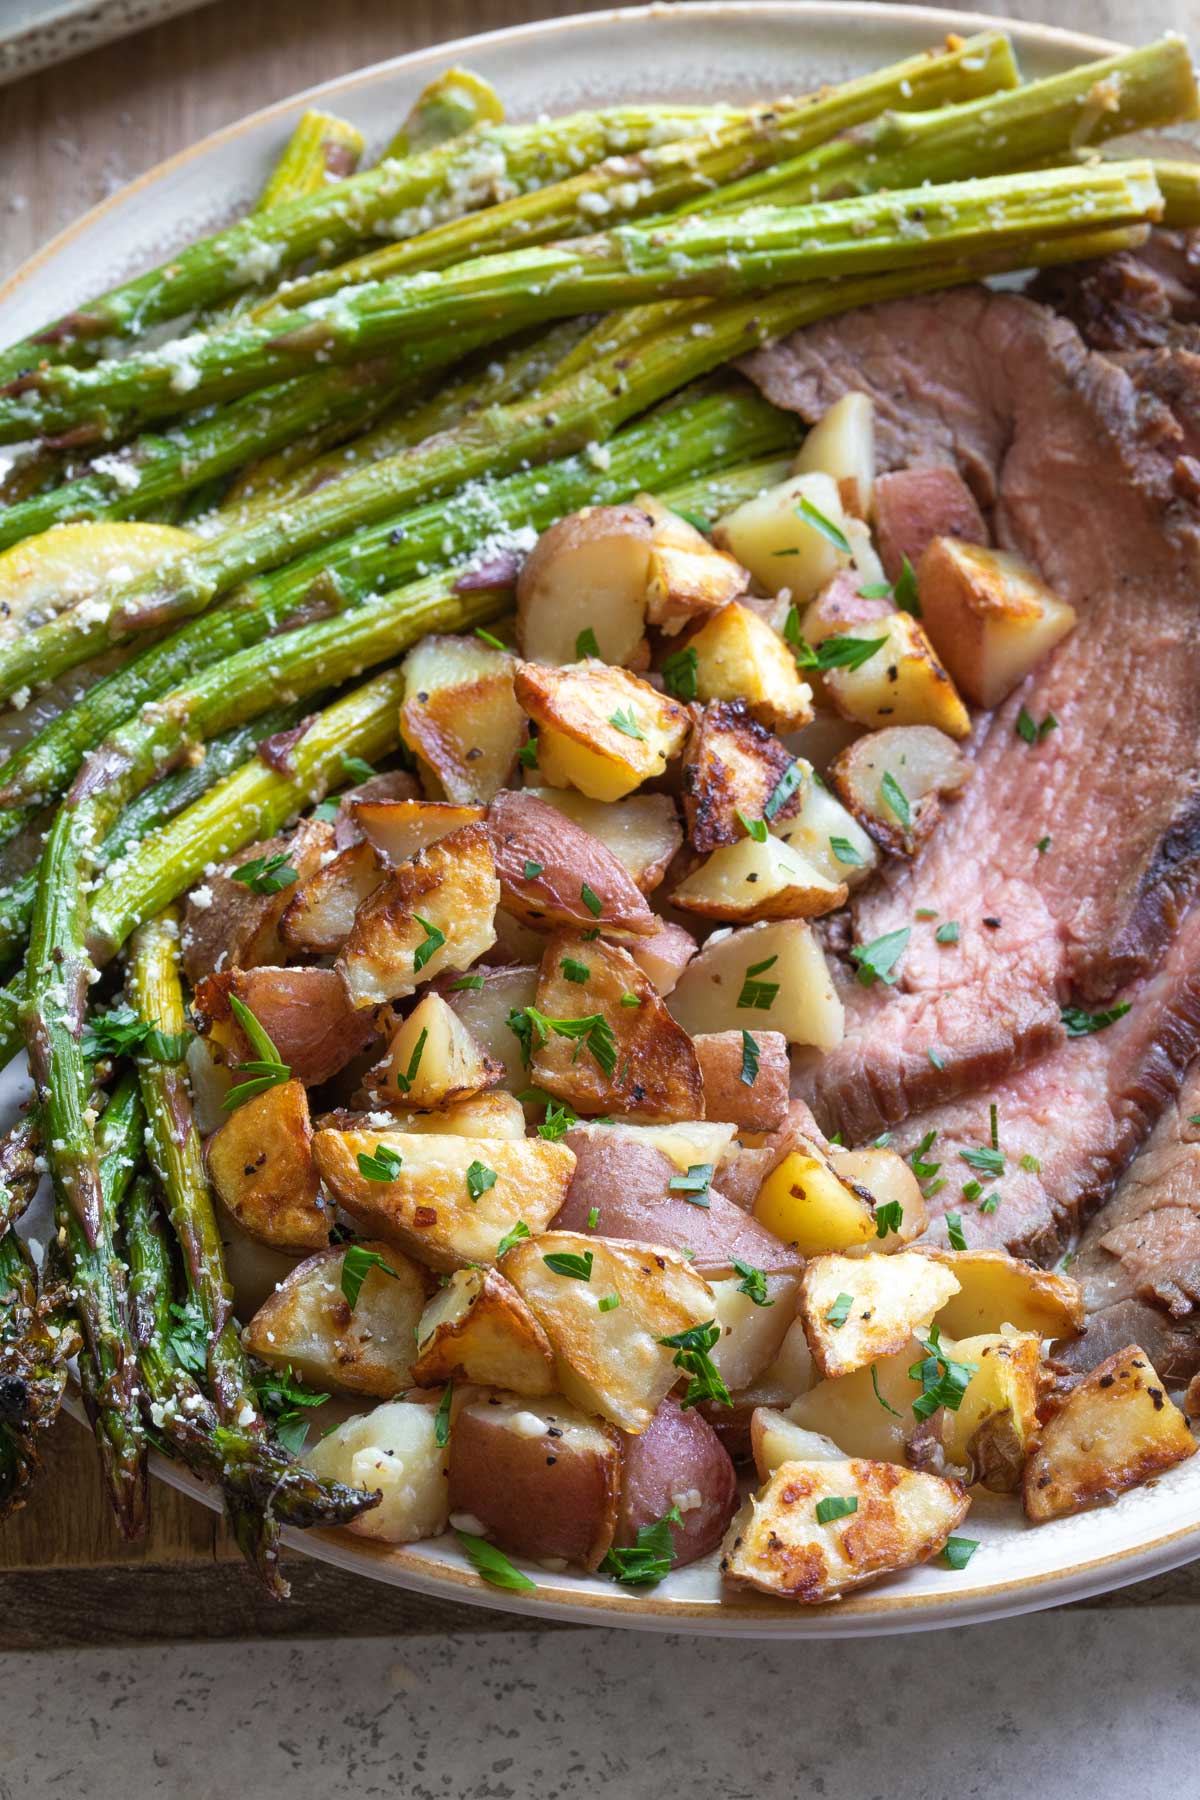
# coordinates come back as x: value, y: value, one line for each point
x: 1068, y: 1125
x: 1136, y: 300
x: 1068, y: 862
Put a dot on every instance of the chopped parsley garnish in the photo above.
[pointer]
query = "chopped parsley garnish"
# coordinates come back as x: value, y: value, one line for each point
x: 266, y: 1069
x: 936, y: 1058
x: 647, y: 1561
x: 920, y: 1168
x: 943, y: 1381
x: 947, y: 933
x: 285, y: 1399
x: 812, y: 515
x: 574, y: 971
x: 749, y: 1070
x: 1042, y: 845
x: 1031, y: 1164
x: 624, y: 720
x: 432, y: 941
x: 187, y: 1337
x: 759, y: 996
x: 527, y: 754
x: 558, y: 1121
x: 987, y: 1160
x: 836, y: 1506
x: 357, y: 768
x: 839, y: 1312
x: 679, y: 673
x: 492, y: 1566
x: 902, y: 592
x: 994, y: 1125
x: 958, y: 1551
x: 954, y: 1231
x: 267, y: 874
x: 406, y: 1077
x: 755, y: 828
x: 118, y: 1032
x: 520, y: 1230
x: 533, y: 870
x: 593, y: 1218
x: 695, y: 1184
x: 585, y: 644
x: 845, y: 852
x: 489, y: 638
x: 479, y: 1179
x: 1081, y: 1024
x: 1033, y: 733
x: 990, y: 1204
x: 357, y: 1264
x: 592, y: 1032
x: 591, y: 900
x: 972, y: 1190
x: 783, y: 790
x: 877, y: 960
x: 631, y: 999
x: 691, y: 1349
x: 441, y: 1419
x: 886, y: 1407
x: 466, y: 983
x: 566, y: 1262
x: 608, y: 1303
x: 846, y: 652
x: 896, y: 798
x: 384, y: 1164
x: 888, y: 1217
x: 327, y: 811
x: 753, y: 1283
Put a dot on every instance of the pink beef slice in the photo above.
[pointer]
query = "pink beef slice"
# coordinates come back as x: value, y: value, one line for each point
x: 1076, y: 467
x: 1079, y: 1116
x: 914, y: 506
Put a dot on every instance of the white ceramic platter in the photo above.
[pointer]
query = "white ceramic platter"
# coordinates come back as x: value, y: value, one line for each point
x: 681, y: 53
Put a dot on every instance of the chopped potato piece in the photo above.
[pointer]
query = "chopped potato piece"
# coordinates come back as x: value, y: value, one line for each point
x: 306, y: 1013
x: 609, y: 1358
x: 779, y: 544
x: 805, y: 1202
x: 739, y: 657
x: 830, y: 839
x: 856, y: 1309
x: 775, y: 1439
x: 686, y: 1143
x: 261, y: 1164
x: 600, y: 729
x: 841, y: 606
x: 1117, y: 1429
x: 997, y: 1419
x: 320, y: 915
x: 227, y: 925
x: 772, y: 975
x: 484, y: 1001
x: 481, y: 1116
x: 758, y: 878
x: 549, y: 866
x: 888, y: 1519
x: 890, y: 1182
x: 461, y: 718
x: 921, y: 762
x: 634, y: 1059
x: 642, y: 831
x: 399, y: 828
x: 751, y: 1332
x: 434, y: 912
x: 901, y: 683
x: 477, y: 1328
x: 393, y: 1450
x: 990, y: 616
x: 746, y: 1083
x: 589, y: 572
x: 687, y: 576
x: 996, y: 1289
x: 861, y: 1421
x: 735, y: 765
x: 842, y: 445
x: 307, y: 1324
x: 664, y: 956
x: 438, y: 1203
x: 432, y: 1060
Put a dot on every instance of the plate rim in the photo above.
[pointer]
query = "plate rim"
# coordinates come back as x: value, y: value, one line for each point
x: 875, y: 1611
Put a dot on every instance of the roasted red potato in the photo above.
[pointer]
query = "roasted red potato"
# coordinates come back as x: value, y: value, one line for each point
x: 745, y: 1082
x: 664, y: 956
x: 733, y: 765
x: 261, y: 1165
x: 600, y: 729
x: 399, y: 828
x: 587, y: 573
x: 484, y: 1001
x: 461, y: 717
x: 894, y: 782
x: 432, y: 1060
x: 642, y: 831
x: 305, y: 1012
x: 320, y: 915
x: 914, y: 506
x: 677, y: 1462
x: 478, y: 1329
x: 688, y: 577
x: 546, y: 863
x: 227, y: 925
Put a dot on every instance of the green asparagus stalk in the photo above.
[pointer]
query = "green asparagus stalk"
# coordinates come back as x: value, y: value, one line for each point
x: 679, y: 174
x: 37, y: 1340
x: 402, y: 196
x: 734, y: 254
x: 321, y: 149
x: 1180, y: 185
x: 453, y: 103
x: 19, y: 1174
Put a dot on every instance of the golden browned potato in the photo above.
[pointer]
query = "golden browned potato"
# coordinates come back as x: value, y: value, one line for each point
x: 990, y: 616
x: 806, y: 1203
x: 687, y: 577
x: 450, y: 1200
x: 739, y: 657
x: 494, y: 1115
x: 399, y: 828
x: 461, y: 717
x: 759, y: 878
x: 261, y: 1164
x: 541, y: 1480
x: 901, y: 683
x: 600, y: 729
x: 633, y: 1058
x: 432, y: 1060
x: 842, y: 445
x: 642, y: 831
x: 677, y: 1464
x: 546, y: 863
x: 746, y: 1083
x: 819, y: 1528
x: 393, y: 1451
x: 779, y: 544
x: 307, y: 1323
x: 484, y: 1001
x: 894, y: 781
x: 773, y: 975
x: 856, y: 1309
x: 997, y: 1419
x: 477, y: 1328
x: 664, y: 956
x: 227, y: 924
x: 589, y: 572
x: 608, y: 1357
x: 306, y: 1013
x: 1117, y: 1429
x: 319, y: 916
x: 434, y: 912
x: 841, y: 606
x: 996, y: 1289
x: 735, y: 765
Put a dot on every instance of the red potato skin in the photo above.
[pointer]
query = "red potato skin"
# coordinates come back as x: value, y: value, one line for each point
x: 760, y: 1106
x: 677, y: 1452
x: 393, y: 784
x: 743, y: 1177
x: 523, y: 830
x: 914, y: 506
x: 629, y: 1186
x: 536, y: 1496
x: 305, y: 1012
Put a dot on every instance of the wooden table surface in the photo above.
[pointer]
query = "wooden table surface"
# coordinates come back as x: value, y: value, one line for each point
x: 71, y: 135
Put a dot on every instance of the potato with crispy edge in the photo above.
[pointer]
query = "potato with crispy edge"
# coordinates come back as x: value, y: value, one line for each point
x: 600, y: 729
x: 460, y: 717
x: 684, y: 1141
x: 758, y: 1104
x: 900, y: 683
x: 664, y: 956
x: 393, y: 1450
x: 227, y: 925
x: 306, y: 1013
x: 589, y: 572
x: 856, y: 1309
x: 771, y: 974
x: 758, y: 878
x: 739, y: 657
x: 434, y: 912
x: 608, y: 1358
x: 1114, y: 1431
x: 997, y: 1419
x: 779, y: 544
x: 429, y: 1206
x: 924, y: 764
x: 842, y: 445
x: 261, y: 1164
x: 320, y: 915
x: 688, y: 576
x: 677, y: 1462
x: 735, y: 765
x: 488, y: 1115
x: 642, y: 831
x: 990, y: 616
x: 307, y: 1323
x: 477, y: 1328
x: 899, y: 1517
x: 432, y: 1060
x: 638, y: 1061
x: 399, y: 828
x: 996, y: 1289
x: 484, y: 1000
x: 545, y: 861
x: 541, y: 1480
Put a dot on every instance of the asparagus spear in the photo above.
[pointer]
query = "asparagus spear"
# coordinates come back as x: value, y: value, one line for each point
x: 321, y: 149
x: 449, y: 105
x: 19, y: 1174
x: 1180, y: 184
x: 736, y: 254
x: 403, y: 196
x: 37, y: 1340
